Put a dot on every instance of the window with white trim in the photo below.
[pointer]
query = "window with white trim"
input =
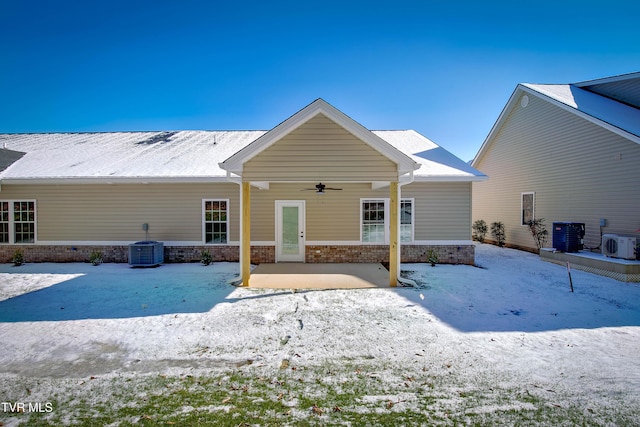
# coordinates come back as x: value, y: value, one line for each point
x: 406, y: 220
x: 374, y: 221
x: 216, y: 221
x: 4, y: 222
x: 17, y: 221
x: 527, y: 205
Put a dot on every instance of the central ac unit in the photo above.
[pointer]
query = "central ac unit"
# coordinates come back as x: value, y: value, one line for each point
x: 146, y: 254
x: 618, y: 246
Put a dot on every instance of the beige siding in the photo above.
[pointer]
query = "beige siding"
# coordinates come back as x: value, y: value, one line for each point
x: 442, y: 210
x: 95, y: 213
x: 579, y: 172
x: 320, y: 150
x: 116, y: 212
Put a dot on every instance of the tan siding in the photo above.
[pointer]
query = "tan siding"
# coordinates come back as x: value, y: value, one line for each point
x: 442, y: 210
x: 579, y: 171
x: 334, y: 216
x: 320, y: 150
x: 117, y: 212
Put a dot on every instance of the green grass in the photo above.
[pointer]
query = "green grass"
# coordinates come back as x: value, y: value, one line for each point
x: 337, y: 394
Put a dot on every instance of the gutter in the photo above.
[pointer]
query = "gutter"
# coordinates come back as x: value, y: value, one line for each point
x: 402, y: 280
x: 235, y: 281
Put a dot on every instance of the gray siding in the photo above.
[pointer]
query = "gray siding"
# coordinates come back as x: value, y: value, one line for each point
x: 627, y: 91
x: 579, y: 172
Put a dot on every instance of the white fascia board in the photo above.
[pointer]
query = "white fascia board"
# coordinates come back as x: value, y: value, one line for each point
x: 446, y: 178
x: 611, y: 79
x: 113, y: 180
x: 442, y: 242
x: 234, y: 163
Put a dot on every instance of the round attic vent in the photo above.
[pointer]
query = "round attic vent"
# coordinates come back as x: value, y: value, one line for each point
x: 524, y: 101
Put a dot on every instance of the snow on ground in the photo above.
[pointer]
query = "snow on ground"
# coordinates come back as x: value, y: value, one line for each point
x: 511, y: 320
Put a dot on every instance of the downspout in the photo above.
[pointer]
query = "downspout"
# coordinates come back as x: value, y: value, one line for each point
x: 402, y: 280
x: 237, y: 280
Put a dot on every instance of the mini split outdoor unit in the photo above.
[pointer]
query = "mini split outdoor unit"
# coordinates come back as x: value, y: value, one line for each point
x: 618, y: 246
x: 146, y: 254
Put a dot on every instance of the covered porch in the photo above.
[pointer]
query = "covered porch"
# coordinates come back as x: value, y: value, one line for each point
x: 317, y: 145
x: 319, y: 276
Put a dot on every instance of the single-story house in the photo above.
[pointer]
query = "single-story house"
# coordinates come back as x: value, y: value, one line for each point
x: 565, y: 153
x: 318, y: 187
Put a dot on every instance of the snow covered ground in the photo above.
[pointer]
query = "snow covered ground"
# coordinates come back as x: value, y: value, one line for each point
x: 510, y: 323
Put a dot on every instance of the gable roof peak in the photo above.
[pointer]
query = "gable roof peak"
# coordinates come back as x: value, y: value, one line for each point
x: 234, y: 164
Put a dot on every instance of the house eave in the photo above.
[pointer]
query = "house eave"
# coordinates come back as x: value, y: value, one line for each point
x: 512, y: 103
x: 112, y: 180
x: 234, y: 164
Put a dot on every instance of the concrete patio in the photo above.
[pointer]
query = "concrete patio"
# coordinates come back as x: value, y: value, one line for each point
x: 319, y: 276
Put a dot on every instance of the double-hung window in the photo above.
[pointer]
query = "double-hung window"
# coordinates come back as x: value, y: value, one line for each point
x: 527, y: 207
x: 374, y: 223
x: 216, y: 221
x: 17, y: 221
x: 406, y: 220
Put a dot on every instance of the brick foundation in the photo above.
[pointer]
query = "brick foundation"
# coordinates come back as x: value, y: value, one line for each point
x: 447, y: 254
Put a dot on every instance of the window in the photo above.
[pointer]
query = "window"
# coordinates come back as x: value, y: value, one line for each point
x: 374, y: 229
x: 375, y: 221
x: 406, y: 220
x: 17, y: 221
x: 527, y: 207
x: 216, y: 221
x: 4, y: 222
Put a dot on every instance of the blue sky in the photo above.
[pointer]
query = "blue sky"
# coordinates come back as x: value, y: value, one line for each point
x: 445, y: 69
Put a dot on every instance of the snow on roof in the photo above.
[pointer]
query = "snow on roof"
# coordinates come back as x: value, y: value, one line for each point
x: 183, y: 154
x: 180, y: 155
x: 609, y: 111
x: 435, y: 161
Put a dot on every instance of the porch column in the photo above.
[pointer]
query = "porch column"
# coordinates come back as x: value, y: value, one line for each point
x: 393, y: 234
x: 245, y: 242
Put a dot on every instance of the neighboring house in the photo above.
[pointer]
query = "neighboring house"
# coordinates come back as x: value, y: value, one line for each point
x: 564, y: 152
x: 241, y: 195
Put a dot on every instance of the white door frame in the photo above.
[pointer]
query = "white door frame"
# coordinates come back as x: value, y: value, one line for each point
x: 300, y: 256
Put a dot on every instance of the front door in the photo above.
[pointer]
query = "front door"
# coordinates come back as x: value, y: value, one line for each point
x: 290, y: 217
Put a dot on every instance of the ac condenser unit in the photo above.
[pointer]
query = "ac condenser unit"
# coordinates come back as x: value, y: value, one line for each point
x: 146, y: 254
x: 618, y: 246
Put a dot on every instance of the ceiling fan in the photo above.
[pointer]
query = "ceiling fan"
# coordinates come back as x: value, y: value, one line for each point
x: 320, y: 187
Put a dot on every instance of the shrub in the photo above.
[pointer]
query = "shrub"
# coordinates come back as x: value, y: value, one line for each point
x: 538, y: 231
x: 479, y: 230
x: 432, y: 257
x: 205, y: 258
x: 95, y: 258
x: 18, y: 258
x: 497, y: 231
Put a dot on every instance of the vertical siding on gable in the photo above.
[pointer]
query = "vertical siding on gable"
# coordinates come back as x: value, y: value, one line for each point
x: 116, y: 212
x: 320, y: 150
x: 579, y: 172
